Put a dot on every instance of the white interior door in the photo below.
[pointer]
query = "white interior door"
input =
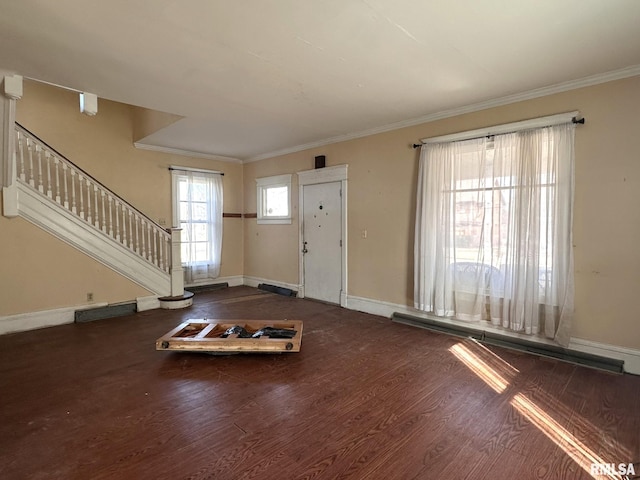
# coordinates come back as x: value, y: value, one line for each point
x: 322, y: 241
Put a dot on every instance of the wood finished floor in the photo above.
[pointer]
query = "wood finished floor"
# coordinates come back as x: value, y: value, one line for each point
x: 364, y: 399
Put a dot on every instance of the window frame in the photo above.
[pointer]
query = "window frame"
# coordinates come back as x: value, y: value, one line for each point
x: 183, y: 225
x: 178, y: 175
x: 262, y: 186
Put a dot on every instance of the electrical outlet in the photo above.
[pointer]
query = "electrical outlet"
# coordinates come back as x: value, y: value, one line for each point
x: 162, y: 222
x: 90, y: 297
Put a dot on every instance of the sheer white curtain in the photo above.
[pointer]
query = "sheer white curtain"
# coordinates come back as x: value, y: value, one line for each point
x: 198, y: 211
x: 494, y: 231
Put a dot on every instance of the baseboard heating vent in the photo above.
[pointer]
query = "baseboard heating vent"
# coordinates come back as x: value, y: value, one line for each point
x: 100, y: 313
x: 541, y: 349
x: 287, y: 292
x: 208, y: 287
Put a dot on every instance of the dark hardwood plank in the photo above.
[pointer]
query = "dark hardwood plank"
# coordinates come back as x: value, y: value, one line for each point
x: 364, y: 398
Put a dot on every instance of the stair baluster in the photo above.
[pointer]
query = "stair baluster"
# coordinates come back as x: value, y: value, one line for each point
x: 39, y: 153
x: 110, y: 219
x: 104, y: 209
x: 47, y: 158
x: 160, y: 240
x: 56, y: 161
x: 95, y: 197
x: 30, y: 148
x: 143, y: 234
x: 22, y: 175
x: 66, y: 185
x: 73, y: 191
x: 156, y: 258
x: 81, y: 190
x: 130, y: 231
x: 89, y: 211
x: 117, y: 204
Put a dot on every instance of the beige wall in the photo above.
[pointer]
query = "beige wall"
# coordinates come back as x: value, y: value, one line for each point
x: 42, y: 272
x: 381, y: 196
x: 39, y: 272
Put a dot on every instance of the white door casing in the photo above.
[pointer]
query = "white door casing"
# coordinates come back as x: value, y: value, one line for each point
x: 324, y: 271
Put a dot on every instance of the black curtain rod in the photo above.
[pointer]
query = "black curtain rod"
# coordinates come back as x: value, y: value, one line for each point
x: 573, y: 120
x: 196, y: 170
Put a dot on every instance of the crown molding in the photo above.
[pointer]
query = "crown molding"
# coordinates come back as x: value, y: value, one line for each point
x: 611, y: 76
x: 185, y: 153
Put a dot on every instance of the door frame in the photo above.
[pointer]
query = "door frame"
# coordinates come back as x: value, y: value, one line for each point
x: 337, y: 173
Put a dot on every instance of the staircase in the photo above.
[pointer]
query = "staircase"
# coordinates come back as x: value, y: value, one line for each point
x: 50, y: 191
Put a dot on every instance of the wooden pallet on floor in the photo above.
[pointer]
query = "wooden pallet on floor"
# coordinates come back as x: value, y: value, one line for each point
x: 206, y: 335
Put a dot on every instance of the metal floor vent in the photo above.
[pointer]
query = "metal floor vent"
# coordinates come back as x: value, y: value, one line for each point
x: 208, y: 287
x: 287, y: 292
x: 551, y: 351
x: 100, y: 313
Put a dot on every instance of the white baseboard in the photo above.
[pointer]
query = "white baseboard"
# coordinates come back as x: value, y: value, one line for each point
x: 255, y: 281
x: 22, y: 322
x: 240, y: 280
x: 147, y: 303
x: 233, y: 281
x: 631, y: 357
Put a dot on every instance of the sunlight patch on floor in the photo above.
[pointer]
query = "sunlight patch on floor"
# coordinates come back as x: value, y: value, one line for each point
x: 498, y: 375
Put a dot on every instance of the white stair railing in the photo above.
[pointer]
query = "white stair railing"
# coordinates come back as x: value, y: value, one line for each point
x: 55, y: 177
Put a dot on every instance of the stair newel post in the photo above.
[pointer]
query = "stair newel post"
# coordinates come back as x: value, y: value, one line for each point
x: 81, y: 190
x: 39, y: 153
x: 73, y: 191
x: 30, y: 149
x: 66, y: 185
x: 47, y: 159
x: 176, y: 271
x: 56, y: 162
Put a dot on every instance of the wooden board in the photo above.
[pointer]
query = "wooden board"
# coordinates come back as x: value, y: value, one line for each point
x: 204, y: 335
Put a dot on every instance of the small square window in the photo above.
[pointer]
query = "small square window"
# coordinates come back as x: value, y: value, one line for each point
x: 274, y: 199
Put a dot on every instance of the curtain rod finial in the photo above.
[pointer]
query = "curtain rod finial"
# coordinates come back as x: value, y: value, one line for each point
x: 416, y: 145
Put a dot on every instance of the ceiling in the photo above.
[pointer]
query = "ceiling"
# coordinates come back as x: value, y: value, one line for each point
x: 253, y: 78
